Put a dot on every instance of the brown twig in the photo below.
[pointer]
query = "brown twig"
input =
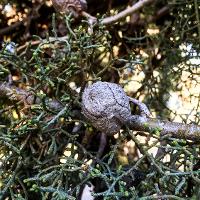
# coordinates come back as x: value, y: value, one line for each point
x: 44, y: 41
x: 139, y: 5
x: 28, y: 98
x: 10, y: 28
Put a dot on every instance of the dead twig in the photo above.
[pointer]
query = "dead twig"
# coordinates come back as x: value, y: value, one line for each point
x: 139, y: 5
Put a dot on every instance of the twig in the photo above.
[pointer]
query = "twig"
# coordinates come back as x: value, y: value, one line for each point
x: 161, y: 197
x: 44, y: 41
x: 144, y: 152
x: 29, y: 98
x: 175, y: 129
x: 52, y: 121
x: 126, y: 12
x: 10, y: 28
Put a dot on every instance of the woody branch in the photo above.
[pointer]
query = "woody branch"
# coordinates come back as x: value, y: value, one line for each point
x: 137, y: 123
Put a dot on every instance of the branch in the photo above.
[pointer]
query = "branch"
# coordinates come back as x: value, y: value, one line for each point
x: 27, y: 97
x: 137, y: 123
x: 139, y: 5
x: 175, y: 129
x: 10, y: 28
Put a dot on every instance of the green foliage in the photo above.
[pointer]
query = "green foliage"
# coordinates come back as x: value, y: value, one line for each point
x: 46, y: 146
